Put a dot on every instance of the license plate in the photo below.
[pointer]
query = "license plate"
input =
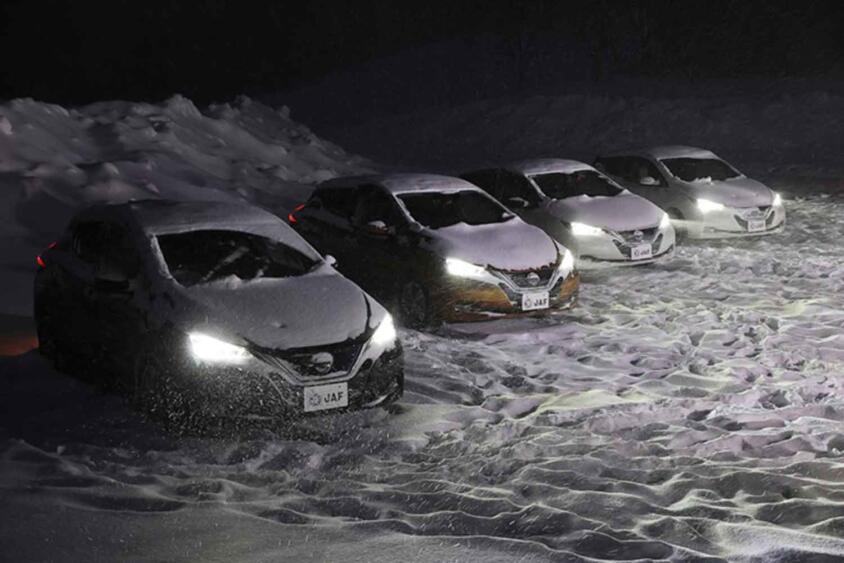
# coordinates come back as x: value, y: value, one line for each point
x: 755, y: 225
x: 324, y: 397
x: 534, y: 301
x: 641, y: 252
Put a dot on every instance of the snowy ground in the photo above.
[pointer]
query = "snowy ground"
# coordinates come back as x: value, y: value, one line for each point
x: 686, y: 412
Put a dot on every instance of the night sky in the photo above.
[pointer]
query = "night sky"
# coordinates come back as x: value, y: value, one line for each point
x: 78, y: 52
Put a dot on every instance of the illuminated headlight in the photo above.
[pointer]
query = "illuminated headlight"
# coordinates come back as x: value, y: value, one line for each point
x: 567, y: 264
x: 385, y: 333
x: 665, y: 222
x: 462, y: 269
x: 584, y: 230
x: 209, y: 349
x: 707, y: 206
x: 777, y: 200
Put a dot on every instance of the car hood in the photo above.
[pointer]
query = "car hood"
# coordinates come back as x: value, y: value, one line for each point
x: 735, y: 192
x: 312, y: 310
x: 512, y: 245
x: 623, y: 212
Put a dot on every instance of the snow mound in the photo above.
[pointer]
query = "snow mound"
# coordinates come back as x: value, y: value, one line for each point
x: 55, y: 160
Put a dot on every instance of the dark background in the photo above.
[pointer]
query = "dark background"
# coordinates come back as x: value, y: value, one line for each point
x: 393, y: 55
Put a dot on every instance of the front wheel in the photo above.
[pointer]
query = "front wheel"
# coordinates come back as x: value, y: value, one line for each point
x: 415, y: 305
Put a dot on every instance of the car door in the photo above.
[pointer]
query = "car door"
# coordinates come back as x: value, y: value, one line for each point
x: 640, y: 176
x: 326, y: 223
x: 381, y: 234
x: 117, y: 286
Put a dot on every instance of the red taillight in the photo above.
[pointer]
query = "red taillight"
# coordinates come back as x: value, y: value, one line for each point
x: 291, y: 217
x: 39, y: 260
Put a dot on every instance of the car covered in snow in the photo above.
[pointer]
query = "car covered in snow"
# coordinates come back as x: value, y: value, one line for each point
x: 203, y: 308
x: 583, y: 209
x: 438, y: 248
x: 705, y: 196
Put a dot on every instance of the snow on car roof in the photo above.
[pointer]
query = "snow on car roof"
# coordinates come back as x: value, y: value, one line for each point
x: 159, y: 216
x: 405, y: 183
x: 667, y: 151
x: 547, y: 165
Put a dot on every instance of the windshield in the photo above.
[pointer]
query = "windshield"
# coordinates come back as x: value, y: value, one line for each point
x: 196, y: 257
x: 436, y: 210
x: 695, y: 169
x: 559, y: 185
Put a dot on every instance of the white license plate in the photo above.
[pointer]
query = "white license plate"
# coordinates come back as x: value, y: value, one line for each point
x: 534, y: 301
x: 755, y: 225
x: 641, y: 252
x: 324, y: 397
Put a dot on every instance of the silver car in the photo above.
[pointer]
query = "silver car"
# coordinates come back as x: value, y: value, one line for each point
x: 705, y: 196
x: 583, y: 209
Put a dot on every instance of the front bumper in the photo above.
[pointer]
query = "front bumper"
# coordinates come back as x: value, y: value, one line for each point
x: 736, y: 222
x: 259, y: 389
x: 464, y: 300
x: 617, y: 249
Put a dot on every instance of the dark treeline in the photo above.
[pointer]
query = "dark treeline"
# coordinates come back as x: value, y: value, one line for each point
x: 74, y: 52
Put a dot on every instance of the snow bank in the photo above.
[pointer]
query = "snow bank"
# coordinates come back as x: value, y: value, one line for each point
x: 54, y: 160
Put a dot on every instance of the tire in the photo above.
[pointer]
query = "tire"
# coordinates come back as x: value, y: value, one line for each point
x: 414, y: 305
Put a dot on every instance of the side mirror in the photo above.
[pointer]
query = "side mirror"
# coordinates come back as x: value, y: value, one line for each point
x: 648, y: 181
x: 517, y: 202
x: 378, y: 228
x: 414, y: 227
x: 112, y: 277
x: 330, y: 260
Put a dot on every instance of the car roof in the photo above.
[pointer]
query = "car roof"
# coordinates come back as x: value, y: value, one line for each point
x: 404, y: 183
x: 546, y: 165
x: 161, y: 216
x: 666, y: 151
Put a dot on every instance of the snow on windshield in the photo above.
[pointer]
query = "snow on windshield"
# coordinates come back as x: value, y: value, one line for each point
x: 699, y: 169
x: 197, y: 257
x: 436, y: 209
x: 559, y: 185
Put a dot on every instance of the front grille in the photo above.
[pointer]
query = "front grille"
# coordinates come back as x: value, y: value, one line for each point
x: 309, y: 362
x: 638, y: 236
x: 745, y: 215
x: 523, y: 278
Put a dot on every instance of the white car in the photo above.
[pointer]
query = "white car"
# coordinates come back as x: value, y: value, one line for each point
x: 216, y: 309
x: 582, y: 209
x: 705, y: 196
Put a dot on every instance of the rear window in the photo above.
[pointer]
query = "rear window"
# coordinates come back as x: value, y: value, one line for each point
x: 197, y: 257
x: 436, y: 210
x: 692, y: 169
x: 558, y: 185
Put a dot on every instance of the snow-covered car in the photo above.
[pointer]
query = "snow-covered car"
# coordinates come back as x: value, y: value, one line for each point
x: 705, y: 196
x: 582, y: 209
x: 438, y: 248
x: 216, y: 309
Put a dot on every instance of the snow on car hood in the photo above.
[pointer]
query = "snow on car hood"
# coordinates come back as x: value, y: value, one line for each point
x: 512, y: 245
x: 735, y: 192
x: 310, y: 310
x: 623, y: 212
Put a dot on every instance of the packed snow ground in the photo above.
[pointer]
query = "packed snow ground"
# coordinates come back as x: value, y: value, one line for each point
x: 690, y: 411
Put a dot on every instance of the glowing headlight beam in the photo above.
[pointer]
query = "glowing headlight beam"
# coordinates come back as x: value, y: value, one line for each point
x: 385, y: 333
x: 209, y: 349
x: 567, y: 263
x: 777, y: 200
x: 584, y: 230
x: 707, y: 206
x: 665, y: 222
x: 462, y: 269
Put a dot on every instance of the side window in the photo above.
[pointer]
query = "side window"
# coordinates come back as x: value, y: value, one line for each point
x: 517, y: 186
x: 106, y: 247
x: 615, y: 166
x: 645, y: 173
x: 374, y: 205
x: 337, y: 201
